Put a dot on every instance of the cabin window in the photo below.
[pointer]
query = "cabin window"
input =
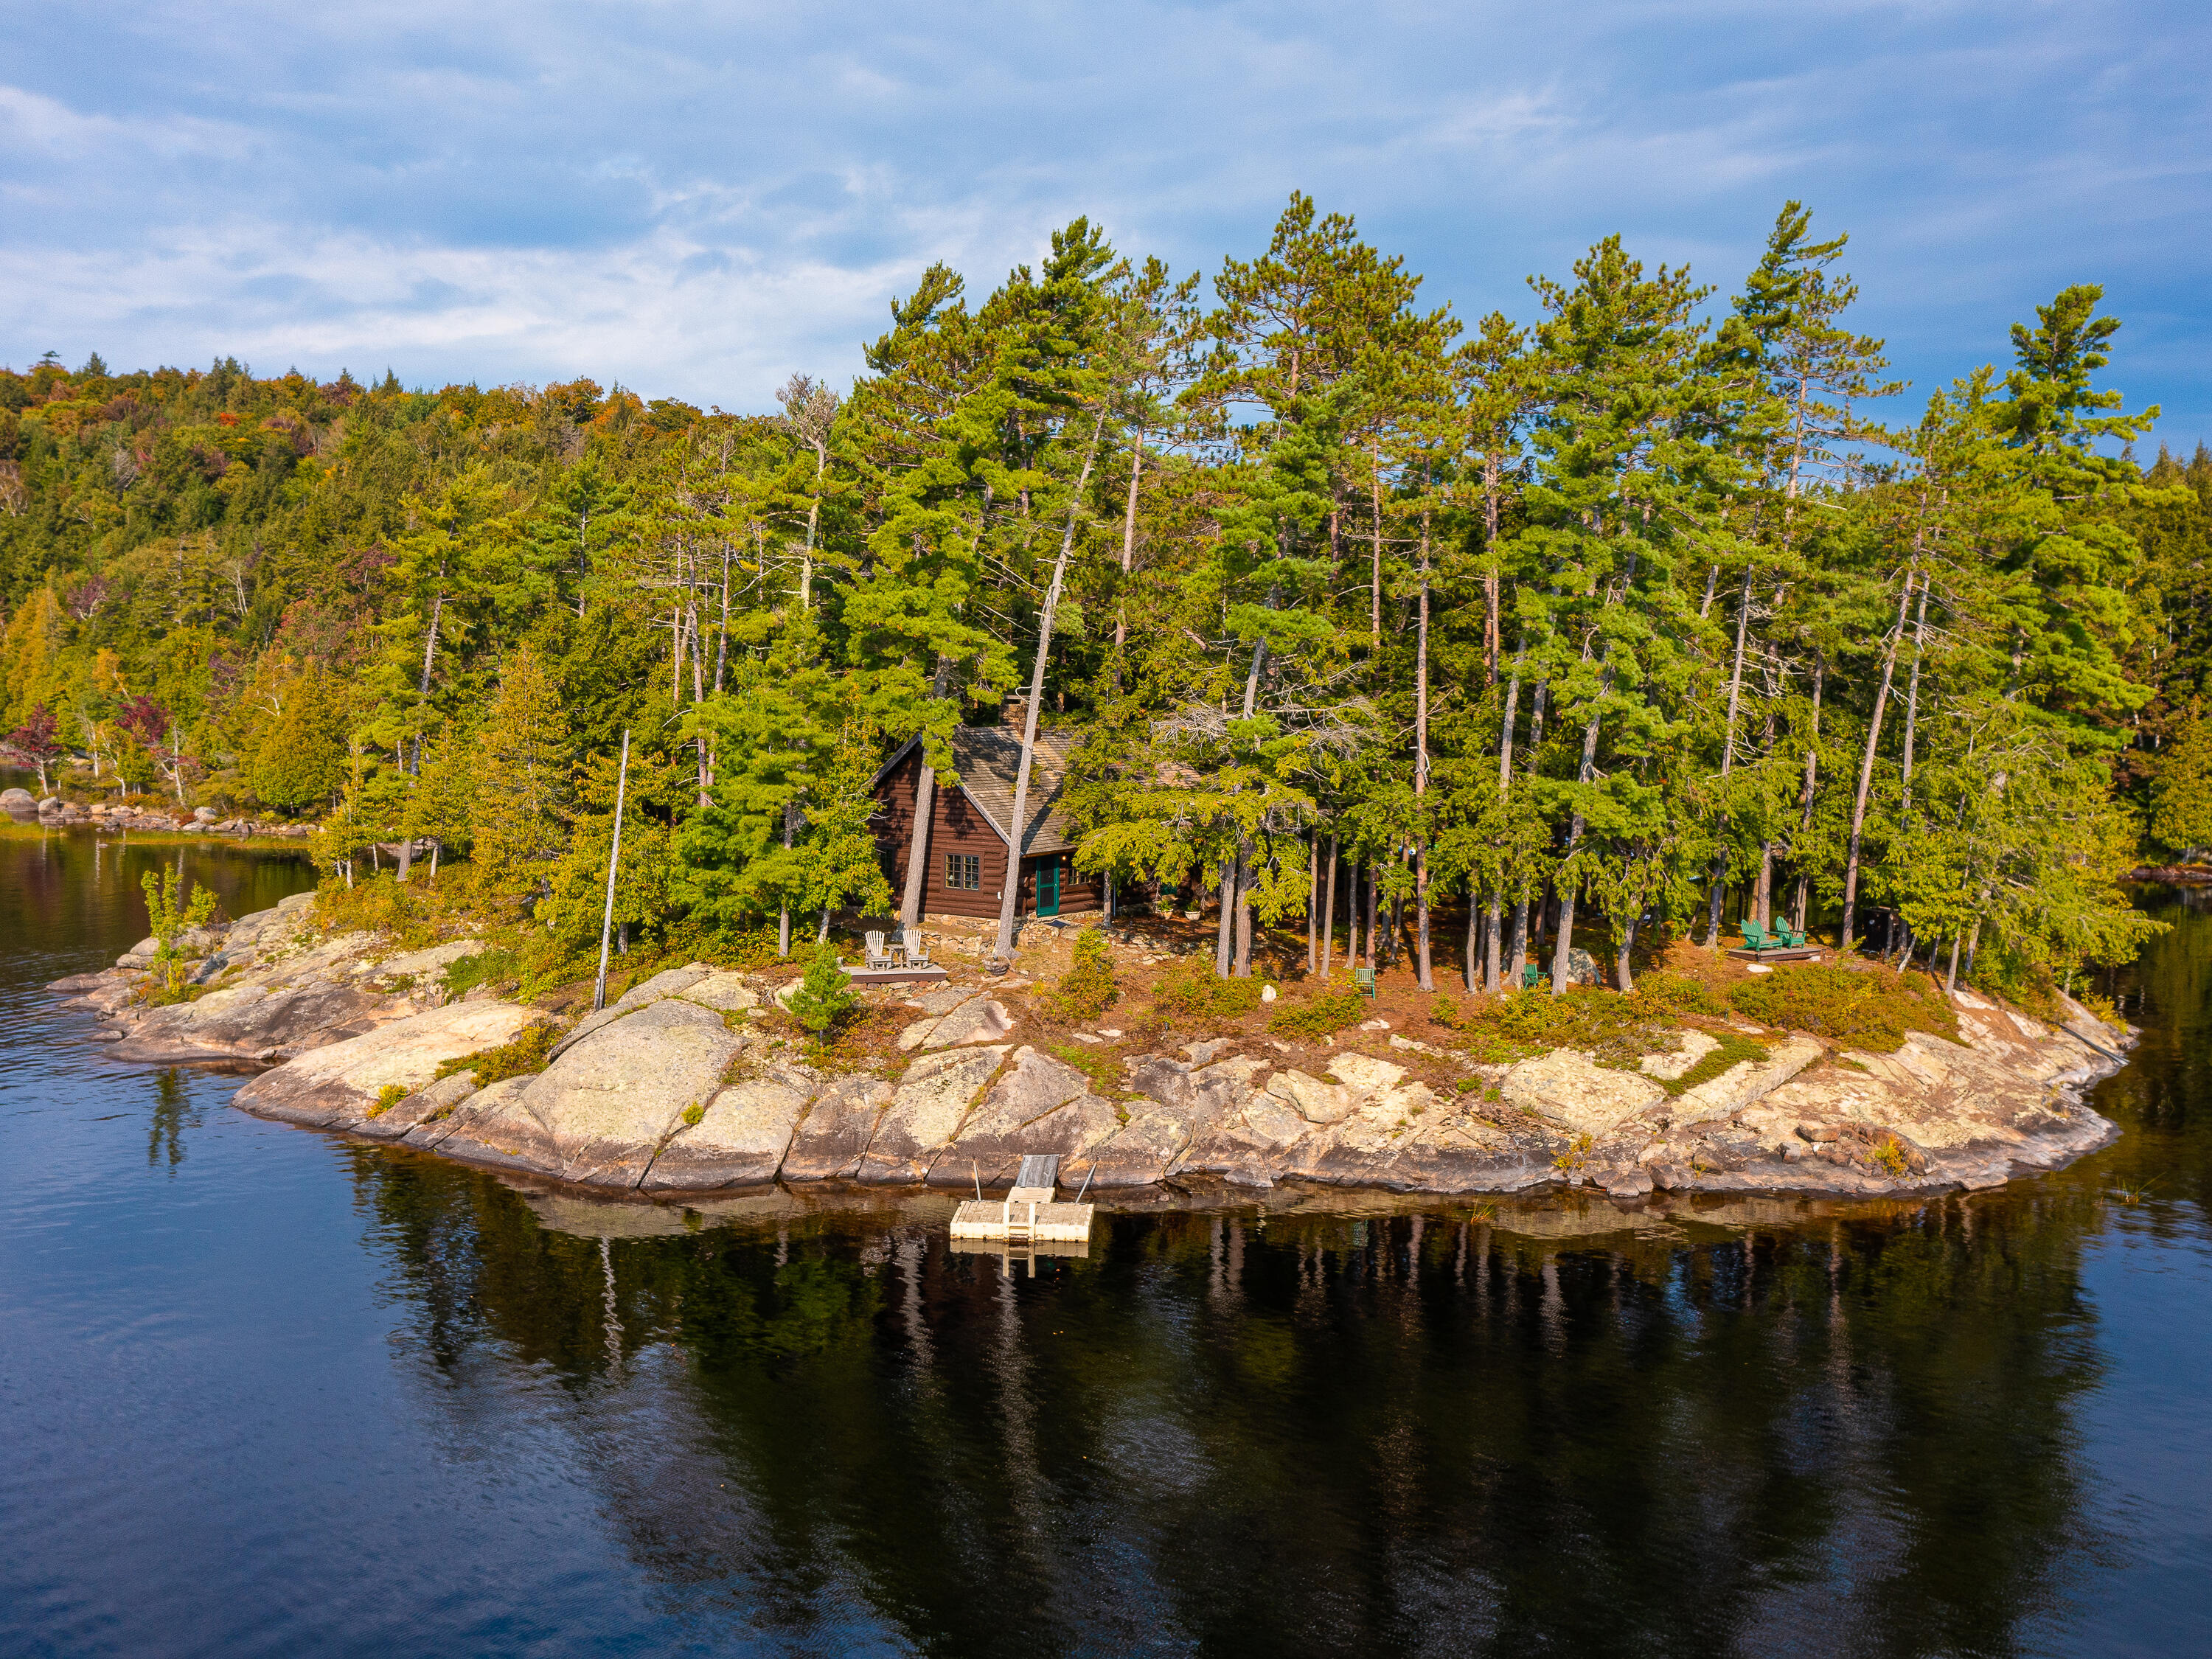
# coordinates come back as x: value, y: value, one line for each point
x: 963, y: 870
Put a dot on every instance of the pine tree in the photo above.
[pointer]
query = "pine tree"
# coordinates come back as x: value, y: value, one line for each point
x: 2181, y: 796
x: 301, y: 760
x: 518, y: 826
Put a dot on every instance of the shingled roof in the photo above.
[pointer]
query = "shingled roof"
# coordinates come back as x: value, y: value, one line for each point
x: 988, y: 759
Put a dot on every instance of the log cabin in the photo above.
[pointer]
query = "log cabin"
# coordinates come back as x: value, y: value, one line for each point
x: 968, y: 832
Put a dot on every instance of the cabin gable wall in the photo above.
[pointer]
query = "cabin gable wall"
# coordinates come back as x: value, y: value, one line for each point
x: 957, y: 826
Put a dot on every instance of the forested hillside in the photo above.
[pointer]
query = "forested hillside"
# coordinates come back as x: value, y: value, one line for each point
x: 1626, y: 601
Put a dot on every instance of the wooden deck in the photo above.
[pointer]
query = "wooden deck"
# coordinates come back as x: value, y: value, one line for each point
x: 896, y: 975
x: 1780, y: 953
x: 1030, y: 1222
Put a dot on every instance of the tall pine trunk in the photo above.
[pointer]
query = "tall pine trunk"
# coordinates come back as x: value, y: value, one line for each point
x: 1328, y: 912
x: 1498, y: 891
x: 1562, y: 945
x: 1866, y: 768
x: 1728, y: 755
x: 1003, y: 951
x: 1912, y: 696
x: 1805, y: 800
x: 1422, y: 968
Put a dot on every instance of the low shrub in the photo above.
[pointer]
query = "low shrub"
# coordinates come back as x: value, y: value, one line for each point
x: 524, y: 1055
x: 495, y: 968
x: 1870, y: 1008
x: 2107, y: 1011
x: 1679, y: 993
x: 1613, y: 1030
x: 825, y: 998
x: 386, y: 1098
x: 1196, y: 994
x: 1087, y: 989
x: 406, y: 913
x: 1320, y: 1015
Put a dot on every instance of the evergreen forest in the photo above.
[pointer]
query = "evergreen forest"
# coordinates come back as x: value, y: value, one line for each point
x: 1655, y: 607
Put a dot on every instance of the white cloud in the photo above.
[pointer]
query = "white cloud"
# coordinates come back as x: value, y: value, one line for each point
x: 698, y: 199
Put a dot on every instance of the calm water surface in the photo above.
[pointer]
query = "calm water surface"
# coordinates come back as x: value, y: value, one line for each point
x: 266, y: 1391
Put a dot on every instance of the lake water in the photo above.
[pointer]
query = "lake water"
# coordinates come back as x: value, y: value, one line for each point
x: 264, y: 1390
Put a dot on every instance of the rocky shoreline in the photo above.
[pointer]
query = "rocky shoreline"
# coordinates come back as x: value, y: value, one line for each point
x: 689, y: 1086
x: 51, y: 812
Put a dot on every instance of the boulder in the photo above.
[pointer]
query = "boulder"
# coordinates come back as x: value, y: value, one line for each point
x: 205, y: 814
x: 1141, y: 1152
x: 608, y: 1104
x: 931, y: 1103
x: 1696, y: 1045
x: 1164, y: 1080
x: 491, y: 1126
x: 833, y: 1137
x: 1363, y: 1148
x: 1315, y: 1101
x: 739, y: 1141
x: 1744, y: 1083
x: 985, y: 1020
x: 725, y: 992
x: 419, y: 965
x: 672, y: 981
x: 252, y: 1023
x: 338, y: 1084
x: 1567, y: 1088
x: 944, y: 999
x: 1442, y: 1149
x: 1038, y: 1105
x: 1364, y: 1074
x: 17, y: 800
x: 51, y: 804
x: 431, y: 1101
x: 1239, y: 1133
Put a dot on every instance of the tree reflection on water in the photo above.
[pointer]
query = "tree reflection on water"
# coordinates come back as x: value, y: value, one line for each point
x: 1299, y: 1432
x: 173, y: 1113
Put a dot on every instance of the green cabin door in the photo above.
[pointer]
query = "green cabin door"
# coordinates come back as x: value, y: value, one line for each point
x: 1047, y: 888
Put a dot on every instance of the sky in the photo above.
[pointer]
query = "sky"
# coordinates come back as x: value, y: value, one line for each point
x: 697, y: 201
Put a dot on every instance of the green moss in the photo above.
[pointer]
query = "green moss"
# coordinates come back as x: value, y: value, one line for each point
x: 1100, y: 1067
x: 692, y: 1114
x: 1733, y: 1050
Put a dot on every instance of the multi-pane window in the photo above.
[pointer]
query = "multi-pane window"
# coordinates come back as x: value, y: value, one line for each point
x: 963, y: 870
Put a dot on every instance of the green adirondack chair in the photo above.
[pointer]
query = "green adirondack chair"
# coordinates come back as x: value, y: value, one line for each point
x: 1363, y: 978
x: 1756, y: 938
x: 1531, y: 977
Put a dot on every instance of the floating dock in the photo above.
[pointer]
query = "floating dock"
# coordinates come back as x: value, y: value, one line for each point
x: 1031, y: 1215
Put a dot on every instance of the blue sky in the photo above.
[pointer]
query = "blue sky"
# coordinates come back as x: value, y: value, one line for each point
x: 697, y: 200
